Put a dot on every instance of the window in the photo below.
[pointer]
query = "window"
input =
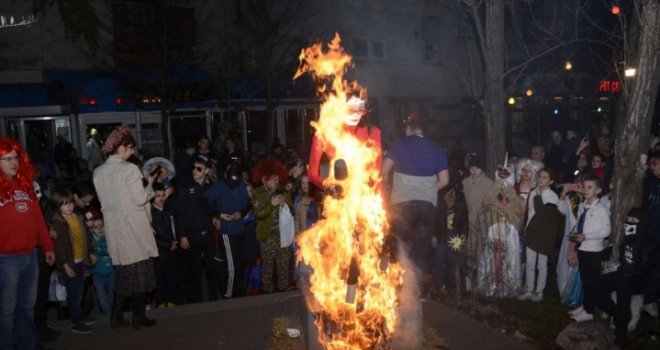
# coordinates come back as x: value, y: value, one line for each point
x: 360, y: 48
x: 377, y: 49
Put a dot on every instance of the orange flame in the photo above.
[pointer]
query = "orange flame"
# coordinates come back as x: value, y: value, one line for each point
x: 353, y: 226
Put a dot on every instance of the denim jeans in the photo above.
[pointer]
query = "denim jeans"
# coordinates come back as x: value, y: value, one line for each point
x: 104, y: 285
x: 413, y: 222
x: 74, y: 295
x: 18, y: 294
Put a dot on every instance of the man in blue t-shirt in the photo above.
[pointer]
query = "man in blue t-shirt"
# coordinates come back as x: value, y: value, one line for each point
x: 419, y: 168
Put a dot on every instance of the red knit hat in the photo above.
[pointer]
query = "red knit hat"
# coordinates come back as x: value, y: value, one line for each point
x: 93, y: 214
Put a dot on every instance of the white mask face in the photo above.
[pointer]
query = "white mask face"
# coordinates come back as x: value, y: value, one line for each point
x: 37, y: 189
x: 356, y: 109
x: 630, y: 229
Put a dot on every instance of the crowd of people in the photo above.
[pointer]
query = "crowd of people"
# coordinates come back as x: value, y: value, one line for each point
x: 213, y: 226
x: 552, y: 211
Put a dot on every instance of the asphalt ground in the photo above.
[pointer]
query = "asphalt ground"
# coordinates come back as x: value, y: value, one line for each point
x: 247, y: 323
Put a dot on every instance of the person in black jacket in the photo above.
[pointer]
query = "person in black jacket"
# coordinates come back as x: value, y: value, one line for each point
x: 166, y: 264
x: 194, y: 226
x: 638, y: 257
x: 451, y: 231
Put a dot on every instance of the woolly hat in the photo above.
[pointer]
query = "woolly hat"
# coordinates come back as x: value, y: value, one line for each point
x: 477, y: 161
x: 93, y: 214
x: 636, y: 213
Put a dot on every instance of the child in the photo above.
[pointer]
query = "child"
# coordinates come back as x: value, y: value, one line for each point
x: 73, y: 249
x: 590, y: 232
x: 306, y: 214
x: 103, y: 274
x: 166, y: 264
x: 452, y: 228
x: 542, y: 228
x: 475, y: 187
x: 569, y: 203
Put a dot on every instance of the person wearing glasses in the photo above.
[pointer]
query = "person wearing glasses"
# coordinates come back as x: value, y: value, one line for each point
x: 193, y: 215
x: 23, y: 229
x: 130, y: 238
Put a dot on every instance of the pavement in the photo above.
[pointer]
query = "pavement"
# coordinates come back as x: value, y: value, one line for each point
x: 246, y: 323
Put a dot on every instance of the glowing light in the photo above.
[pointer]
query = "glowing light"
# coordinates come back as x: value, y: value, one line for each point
x: 91, y: 101
x: 119, y: 101
x: 616, y: 10
x: 568, y: 66
x: 599, y: 109
x: 630, y: 72
x: 529, y: 92
x: 512, y: 101
x: 556, y: 111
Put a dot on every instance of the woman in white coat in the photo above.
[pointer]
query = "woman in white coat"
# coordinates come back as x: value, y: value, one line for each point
x: 131, y: 242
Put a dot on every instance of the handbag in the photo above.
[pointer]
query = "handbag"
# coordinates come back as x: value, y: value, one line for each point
x: 56, y: 289
x: 287, y: 227
x: 572, y: 294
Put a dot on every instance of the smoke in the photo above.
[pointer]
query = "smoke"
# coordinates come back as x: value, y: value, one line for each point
x: 409, y: 335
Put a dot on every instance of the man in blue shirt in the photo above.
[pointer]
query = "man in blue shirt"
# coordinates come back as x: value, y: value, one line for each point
x: 420, y: 170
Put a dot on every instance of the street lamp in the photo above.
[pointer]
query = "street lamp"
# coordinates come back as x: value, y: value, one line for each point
x: 568, y: 66
x: 529, y: 92
x: 512, y: 101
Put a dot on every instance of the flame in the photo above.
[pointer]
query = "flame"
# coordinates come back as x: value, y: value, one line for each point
x: 353, y: 226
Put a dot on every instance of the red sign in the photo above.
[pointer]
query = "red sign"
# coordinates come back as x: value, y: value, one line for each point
x: 609, y: 86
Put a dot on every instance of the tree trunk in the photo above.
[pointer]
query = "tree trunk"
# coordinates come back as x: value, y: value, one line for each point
x: 633, y: 137
x: 165, y: 131
x: 493, y: 104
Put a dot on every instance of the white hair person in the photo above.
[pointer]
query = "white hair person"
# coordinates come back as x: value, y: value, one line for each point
x: 533, y: 165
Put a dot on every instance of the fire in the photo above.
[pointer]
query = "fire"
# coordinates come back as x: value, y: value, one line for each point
x: 353, y: 226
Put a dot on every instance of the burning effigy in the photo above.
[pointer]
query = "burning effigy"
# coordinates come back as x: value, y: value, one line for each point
x: 353, y: 286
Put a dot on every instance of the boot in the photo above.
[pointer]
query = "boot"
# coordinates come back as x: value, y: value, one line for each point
x: 140, y: 313
x: 117, y: 316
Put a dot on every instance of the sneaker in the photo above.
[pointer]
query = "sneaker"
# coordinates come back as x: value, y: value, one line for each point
x: 90, y: 321
x: 526, y: 296
x: 81, y: 329
x: 583, y: 317
x: 538, y: 296
x: 576, y: 311
x: 651, y: 309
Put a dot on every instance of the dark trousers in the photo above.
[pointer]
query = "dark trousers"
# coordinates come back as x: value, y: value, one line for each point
x: 413, y: 223
x: 232, y: 252
x: 202, y: 254
x: 41, y: 306
x: 625, y: 287
x: 75, y: 288
x: 651, y: 288
x: 590, y: 273
x: 166, y: 278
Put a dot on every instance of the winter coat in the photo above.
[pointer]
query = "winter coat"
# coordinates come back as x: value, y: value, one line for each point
x: 264, y: 211
x: 459, y: 221
x: 544, y: 228
x: 125, y: 206
x: 64, y: 244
